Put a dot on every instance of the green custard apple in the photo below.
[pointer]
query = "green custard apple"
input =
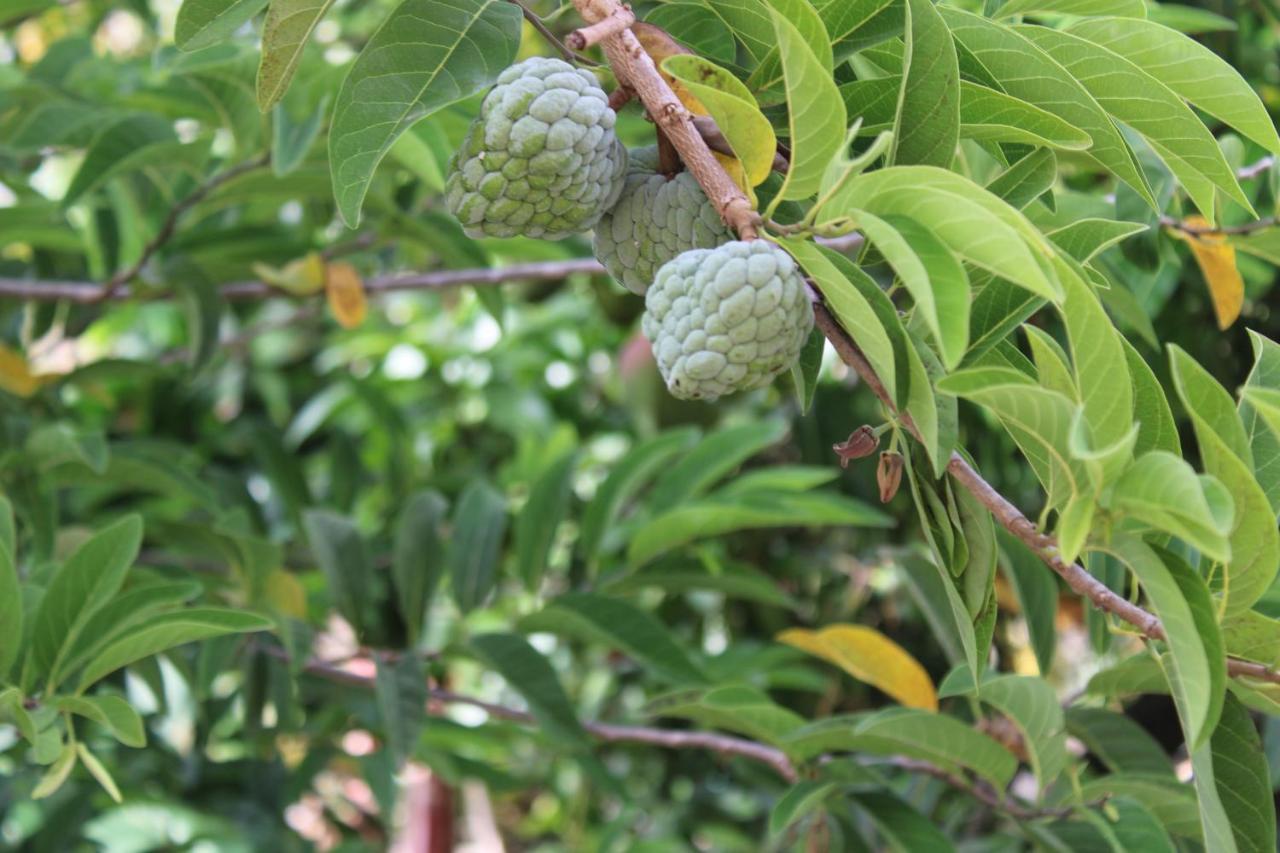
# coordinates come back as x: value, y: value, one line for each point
x: 541, y: 159
x: 727, y: 319
x: 655, y: 219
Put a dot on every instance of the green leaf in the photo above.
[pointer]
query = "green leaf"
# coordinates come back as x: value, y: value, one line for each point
x: 815, y: 111
x: 933, y: 276
x: 943, y: 608
x: 733, y: 581
x: 1032, y: 705
x: 714, y: 457
x: 910, y: 732
x: 529, y: 673
x: 99, y: 772
x: 812, y: 31
x: 1118, y: 742
x: 479, y: 525
x: 1189, y: 68
x: 717, y: 515
x: 165, y: 631
x: 621, y: 625
x: 1156, y: 429
x: 1127, y: 8
x: 1038, y: 419
x: 1164, y: 491
x: 1085, y: 238
x: 285, y: 33
x: 400, y: 689
x: 997, y: 53
x: 132, y: 606
x: 858, y: 24
x: 426, y: 55
x: 935, y: 415
x: 902, y: 827
x: 417, y: 557
x: 745, y: 710
x: 120, y: 718
x: 1224, y: 449
x: 1095, y: 352
x: 1140, y: 673
x: 1197, y: 666
x: 734, y: 109
x: 292, y: 136
x: 10, y: 611
x: 800, y: 800
x: 1243, y: 780
x: 540, y: 518
x: 1252, y: 636
x: 83, y: 585
x: 1027, y: 179
x: 1264, y: 443
x: 1142, y: 102
x: 697, y: 27
x: 972, y: 222
x: 340, y: 550
x: 1037, y: 594
x: 999, y: 307
x: 804, y: 373
x: 627, y: 477
x: 850, y: 305
x: 57, y: 774
x: 202, y: 23
x: 926, y: 128
x: 122, y: 145
x: 1172, y: 803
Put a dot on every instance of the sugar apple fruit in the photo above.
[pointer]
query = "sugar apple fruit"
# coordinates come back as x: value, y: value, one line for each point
x: 654, y: 220
x: 726, y: 319
x: 541, y: 159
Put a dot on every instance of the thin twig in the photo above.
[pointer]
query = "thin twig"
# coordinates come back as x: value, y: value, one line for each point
x: 982, y: 792
x: 614, y: 23
x: 1253, y: 170
x: 1011, y: 518
x: 543, y: 30
x: 170, y: 224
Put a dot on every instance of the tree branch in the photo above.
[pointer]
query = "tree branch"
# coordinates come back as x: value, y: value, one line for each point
x: 543, y: 30
x: 1201, y: 230
x: 635, y: 69
x: 1011, y: 518
x: 170, y: 224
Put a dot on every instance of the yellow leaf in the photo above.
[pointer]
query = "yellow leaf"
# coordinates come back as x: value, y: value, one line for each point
x: 734, y: 109
x: 345, y: 290
x: 302, y: 277
x: 734, y: 167
x: 284, y: 593
x: 1217, y: 261
x: 15, y: 374
x: 869, y: 656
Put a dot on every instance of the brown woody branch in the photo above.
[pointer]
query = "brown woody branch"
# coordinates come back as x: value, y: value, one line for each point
x: 1011, y: 518
x: 614, y: 21
x: 635, y: 70
x: 170, y: 224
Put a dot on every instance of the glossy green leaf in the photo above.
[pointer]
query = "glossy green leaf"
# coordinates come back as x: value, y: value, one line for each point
x: 1225, y: 451
x: 815, y: 111
x: 479, y: 526
x: 926, y: 127
x: 165, y: 631
x: 1187, y: 67
x: 1142, y: 102
x: 426, y: 55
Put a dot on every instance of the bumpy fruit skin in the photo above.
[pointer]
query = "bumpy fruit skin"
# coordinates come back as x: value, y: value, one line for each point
x: 541, y: 159
x: 726, y: 319
x: 654, y: 220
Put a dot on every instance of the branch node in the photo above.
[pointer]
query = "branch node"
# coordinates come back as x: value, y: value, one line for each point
x: 618, y: 20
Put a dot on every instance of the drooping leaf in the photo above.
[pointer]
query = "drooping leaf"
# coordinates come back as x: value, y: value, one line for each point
x: 531, y: 675
x: 734, y: 109
x: 426, y: 55
x: 114, y: 712
x: 285, y: 33
x: 10, y: 609
x: 343, y: 557
x: 417, y: 559
x: 1262, y: 421
x: 539, y: 520
x: 202, y: 23
x: 121, y: 145
x: 400, y: 688
x: 1216, y: 258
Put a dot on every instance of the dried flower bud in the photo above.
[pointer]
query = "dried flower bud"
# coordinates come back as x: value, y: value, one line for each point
x: 863, y: 441
x: 889, y: 475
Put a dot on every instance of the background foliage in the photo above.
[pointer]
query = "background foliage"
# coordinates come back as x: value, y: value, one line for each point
x: 247, y: 529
